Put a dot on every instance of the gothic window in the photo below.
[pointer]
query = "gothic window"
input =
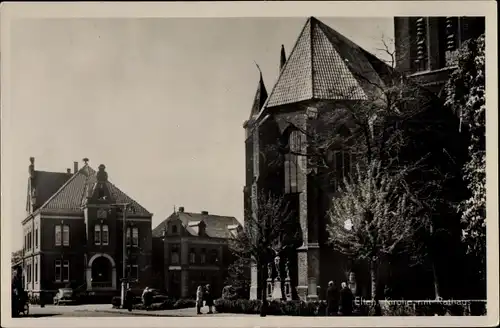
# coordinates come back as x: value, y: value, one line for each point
x: 341, y: 162
x: 291, y: 165
x: 421, y: 60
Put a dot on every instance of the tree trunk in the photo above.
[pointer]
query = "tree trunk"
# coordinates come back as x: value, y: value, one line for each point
x: 436, y: 282
x: 373, y: 280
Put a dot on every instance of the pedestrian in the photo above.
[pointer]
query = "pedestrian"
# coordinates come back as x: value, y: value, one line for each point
x: 346, y: 299
x: 146, y: 298
x: 199, y: 299
x: 209, y: 299
x: 332, y: 299
x: 128, y: 299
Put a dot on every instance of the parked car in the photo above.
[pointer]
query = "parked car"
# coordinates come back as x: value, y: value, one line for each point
x: 65, y: 296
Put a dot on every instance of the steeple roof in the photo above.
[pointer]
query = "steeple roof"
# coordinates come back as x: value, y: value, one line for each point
x: 260, y: 97
x: 324, y: 64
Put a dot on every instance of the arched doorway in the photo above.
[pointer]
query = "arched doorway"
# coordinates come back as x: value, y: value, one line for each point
x: 101, y: 272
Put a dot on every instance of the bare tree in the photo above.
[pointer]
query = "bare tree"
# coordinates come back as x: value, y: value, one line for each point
x: 373, y: 218
x: 268, y: 231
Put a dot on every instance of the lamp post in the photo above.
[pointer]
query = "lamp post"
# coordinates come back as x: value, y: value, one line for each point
x: 124, y: 207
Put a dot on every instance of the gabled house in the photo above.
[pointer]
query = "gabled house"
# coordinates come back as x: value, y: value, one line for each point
x: 74, y: 232
x: 191, y: 249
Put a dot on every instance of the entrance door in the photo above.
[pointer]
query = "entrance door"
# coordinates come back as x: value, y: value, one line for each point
x: 102, y: 273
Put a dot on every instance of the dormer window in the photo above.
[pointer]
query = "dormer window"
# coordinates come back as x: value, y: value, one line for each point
x: 174, y: 229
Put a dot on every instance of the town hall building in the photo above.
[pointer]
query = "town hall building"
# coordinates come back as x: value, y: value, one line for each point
x: 77, y: 227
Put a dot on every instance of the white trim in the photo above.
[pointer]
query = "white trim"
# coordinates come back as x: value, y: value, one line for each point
x: 113, y: 264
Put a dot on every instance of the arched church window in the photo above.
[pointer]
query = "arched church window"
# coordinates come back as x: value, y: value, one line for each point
x: 292, y: 168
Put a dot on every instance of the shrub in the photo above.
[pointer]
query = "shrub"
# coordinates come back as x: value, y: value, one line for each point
x: 318, y: 308
x: 185, y: 303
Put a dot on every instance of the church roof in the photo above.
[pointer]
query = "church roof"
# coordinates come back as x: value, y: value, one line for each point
x: 216, y: 226
x: 72, y: 194
x: 324, y: 64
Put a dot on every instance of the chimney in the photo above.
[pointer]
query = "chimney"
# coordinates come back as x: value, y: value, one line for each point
x: 282, y: 57
x: 75, y: 167
x: 181, y: 209
x: 31, y: 168
x: 204, y: 212
x: 68, y: 170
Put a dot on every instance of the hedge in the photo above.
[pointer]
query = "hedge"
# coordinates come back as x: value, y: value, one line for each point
x: 318, y: 308
x: 159, y: 303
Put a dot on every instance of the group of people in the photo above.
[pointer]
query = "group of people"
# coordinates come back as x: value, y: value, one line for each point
x: 339, y: 302
x: 204, y: 294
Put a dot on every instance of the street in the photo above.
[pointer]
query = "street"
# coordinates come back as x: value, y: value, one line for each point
x: 105, y: 310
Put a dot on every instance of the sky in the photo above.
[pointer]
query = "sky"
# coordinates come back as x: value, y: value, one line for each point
x: 160, y: 102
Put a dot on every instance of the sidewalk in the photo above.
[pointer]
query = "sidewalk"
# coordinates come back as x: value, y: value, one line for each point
x: 189, y: 312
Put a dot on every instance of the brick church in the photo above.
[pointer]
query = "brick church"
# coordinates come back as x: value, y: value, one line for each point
x: 74, y: 233
x: 323, y: 72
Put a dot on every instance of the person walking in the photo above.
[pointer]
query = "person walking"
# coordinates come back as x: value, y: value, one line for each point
x: 128, y: 299
x: 332, y: 299
x: 199, y: 299
x: 346, y: 299
x: 209, y: 299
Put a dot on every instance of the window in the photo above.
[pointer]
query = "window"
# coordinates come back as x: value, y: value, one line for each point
x: 65, y: 273
x: 29, y: 272
x: 25, y: 241
x: 66, y: 235
x: 57, y: 272
x: 203, y: 256
x: 174, y: 229
x: 135, y: 236
x: 105, y: 235
x: 133, y: 270
x: 292, y: 158
x: 342, y: 164
x: 192, y: 256
x: 36, y: 271
x: 58, y: 235
x: 97, y: 234
x: 174, y: 254
x: 214, y: 257
x: 421, y: 60
x: 36, y: 237
x: 30, y: 241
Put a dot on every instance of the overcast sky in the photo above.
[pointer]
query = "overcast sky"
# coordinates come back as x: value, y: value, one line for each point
x: 160, y: 102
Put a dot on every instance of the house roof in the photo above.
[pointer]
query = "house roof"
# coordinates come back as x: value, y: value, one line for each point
x: 324, y: 64
x: 216, y: 226
x: 71, y: 195
x: 46, y: 184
